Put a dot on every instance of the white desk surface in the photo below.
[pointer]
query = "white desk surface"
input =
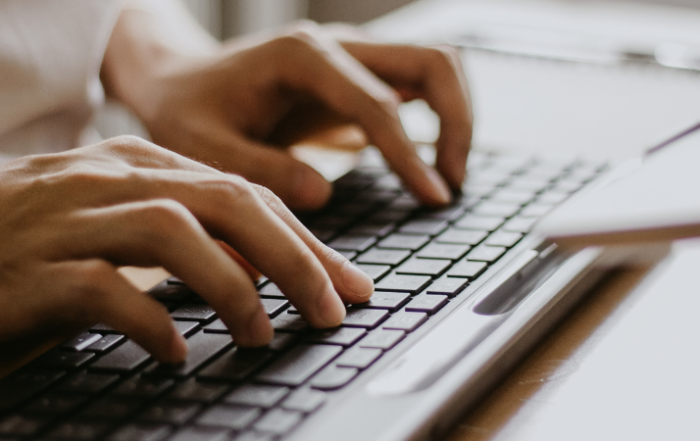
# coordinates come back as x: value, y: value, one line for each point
x: 625, y: 365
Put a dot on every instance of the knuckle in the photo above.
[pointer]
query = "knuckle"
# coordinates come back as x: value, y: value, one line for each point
x: 444, y: 55
x: 234, y: 190
x: 165, y: 218
x: 91, y: 276
x: 387, y: 103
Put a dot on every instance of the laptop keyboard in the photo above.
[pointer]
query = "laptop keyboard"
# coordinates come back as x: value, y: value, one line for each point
x: 101, y: 385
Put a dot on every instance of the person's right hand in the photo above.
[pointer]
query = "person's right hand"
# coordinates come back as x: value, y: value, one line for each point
x: 69, y: 219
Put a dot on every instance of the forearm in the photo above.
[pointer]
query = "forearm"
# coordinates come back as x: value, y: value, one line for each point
x: 148, y: 38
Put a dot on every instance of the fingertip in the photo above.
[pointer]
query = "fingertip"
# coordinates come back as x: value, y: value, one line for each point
x: 260, y: 331
x: 440, y: 193
x: 331, y: 311
x: 178, y: 348
x: 357, y: 283
x: 309, y: 190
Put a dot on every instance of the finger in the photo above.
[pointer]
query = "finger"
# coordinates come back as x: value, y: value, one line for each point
x: 231, y: 210
x: 307, y: 61
x: 164, y: 233
x: 353, y: 285
x: 115, y: 302
x: 233, y: 254
x: 436, y: 75
x: 298, y: 184
x: 295, y: 182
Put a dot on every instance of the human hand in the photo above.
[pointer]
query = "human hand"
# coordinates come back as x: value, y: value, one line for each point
x: 69, y: 219
x: 223, y: 108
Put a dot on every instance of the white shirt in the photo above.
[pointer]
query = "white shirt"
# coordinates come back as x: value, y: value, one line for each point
x: 50, y: 57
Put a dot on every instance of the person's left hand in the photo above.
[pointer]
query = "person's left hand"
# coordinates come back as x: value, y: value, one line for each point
x: 223, y: 109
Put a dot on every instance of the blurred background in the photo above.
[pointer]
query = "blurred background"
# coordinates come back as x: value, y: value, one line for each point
x: 228, y: 18
x: 602, y: 78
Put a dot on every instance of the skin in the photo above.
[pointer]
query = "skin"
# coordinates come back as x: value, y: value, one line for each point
x: 223, y: 104
x: 72, y: 218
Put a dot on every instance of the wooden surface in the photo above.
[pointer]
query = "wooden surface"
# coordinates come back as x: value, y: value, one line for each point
x: 553, y: 359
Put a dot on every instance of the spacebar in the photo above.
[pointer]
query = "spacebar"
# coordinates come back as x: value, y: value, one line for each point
x: 299, y: 364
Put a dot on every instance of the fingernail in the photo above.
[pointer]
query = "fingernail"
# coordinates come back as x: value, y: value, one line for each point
x: 442, y: 192
x: 260, y: 330
x: 357, y: 282
x: 331, y: 310
x: 178, y: 348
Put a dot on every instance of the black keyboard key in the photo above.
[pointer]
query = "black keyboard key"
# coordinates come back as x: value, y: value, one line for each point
x: 388, y: 216
x: 359, y: 358
x: 281, y: 341
x: 375, y: 272
x: 428, y: 303
x: 202, y: 348
x: 229, y: 416
x: 55, y: 359
x: 443, y: 251
x: 79, y: 430
x: 376, y: 230
x: 170, y: 412
x: 24, y: 384
x: 194, y: 311
x: 463, y: 237
x: 170, y: 292
x: 304, y: 400
x: 352, y: 243
x: 55, y: 403
x: 290, y: 323
x: 364, y: 318
x: 235, y: 365
x: 299, y: 364
x: 430, y: 227
x: 274, y: 306
x: 424, y: 267
x: 347, y: 254
x: 403, y: 241
x: 143, y: 387
x: 386, y: 300
x: 382, y: 339
x: 486, y: 253
x: 503, y: 239
x: 449, y: 286
x: 405, y: 321
x: 125, y: 358
x: 472, y: 222
x: 111, y: 408
x: 279, y: 421
x: 257, y: 395
x: 22, y: 425
x: 216, y: 327
x: 87, y: 382
x: 186, y: 328
x: 402, y: 283
x: 447, y: 213
x: 333, y: 377
x: 201, y: 434
x: 80, y: 342
x: 193, y: 390
x: 339, y: 336
x: 272, y: 291
x: 140, y: 432
x: 467, y: 269
x: 106, y: 343
x: 383, y: 257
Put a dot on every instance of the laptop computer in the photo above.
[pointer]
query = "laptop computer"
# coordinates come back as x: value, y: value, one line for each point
x: 462, y: 293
